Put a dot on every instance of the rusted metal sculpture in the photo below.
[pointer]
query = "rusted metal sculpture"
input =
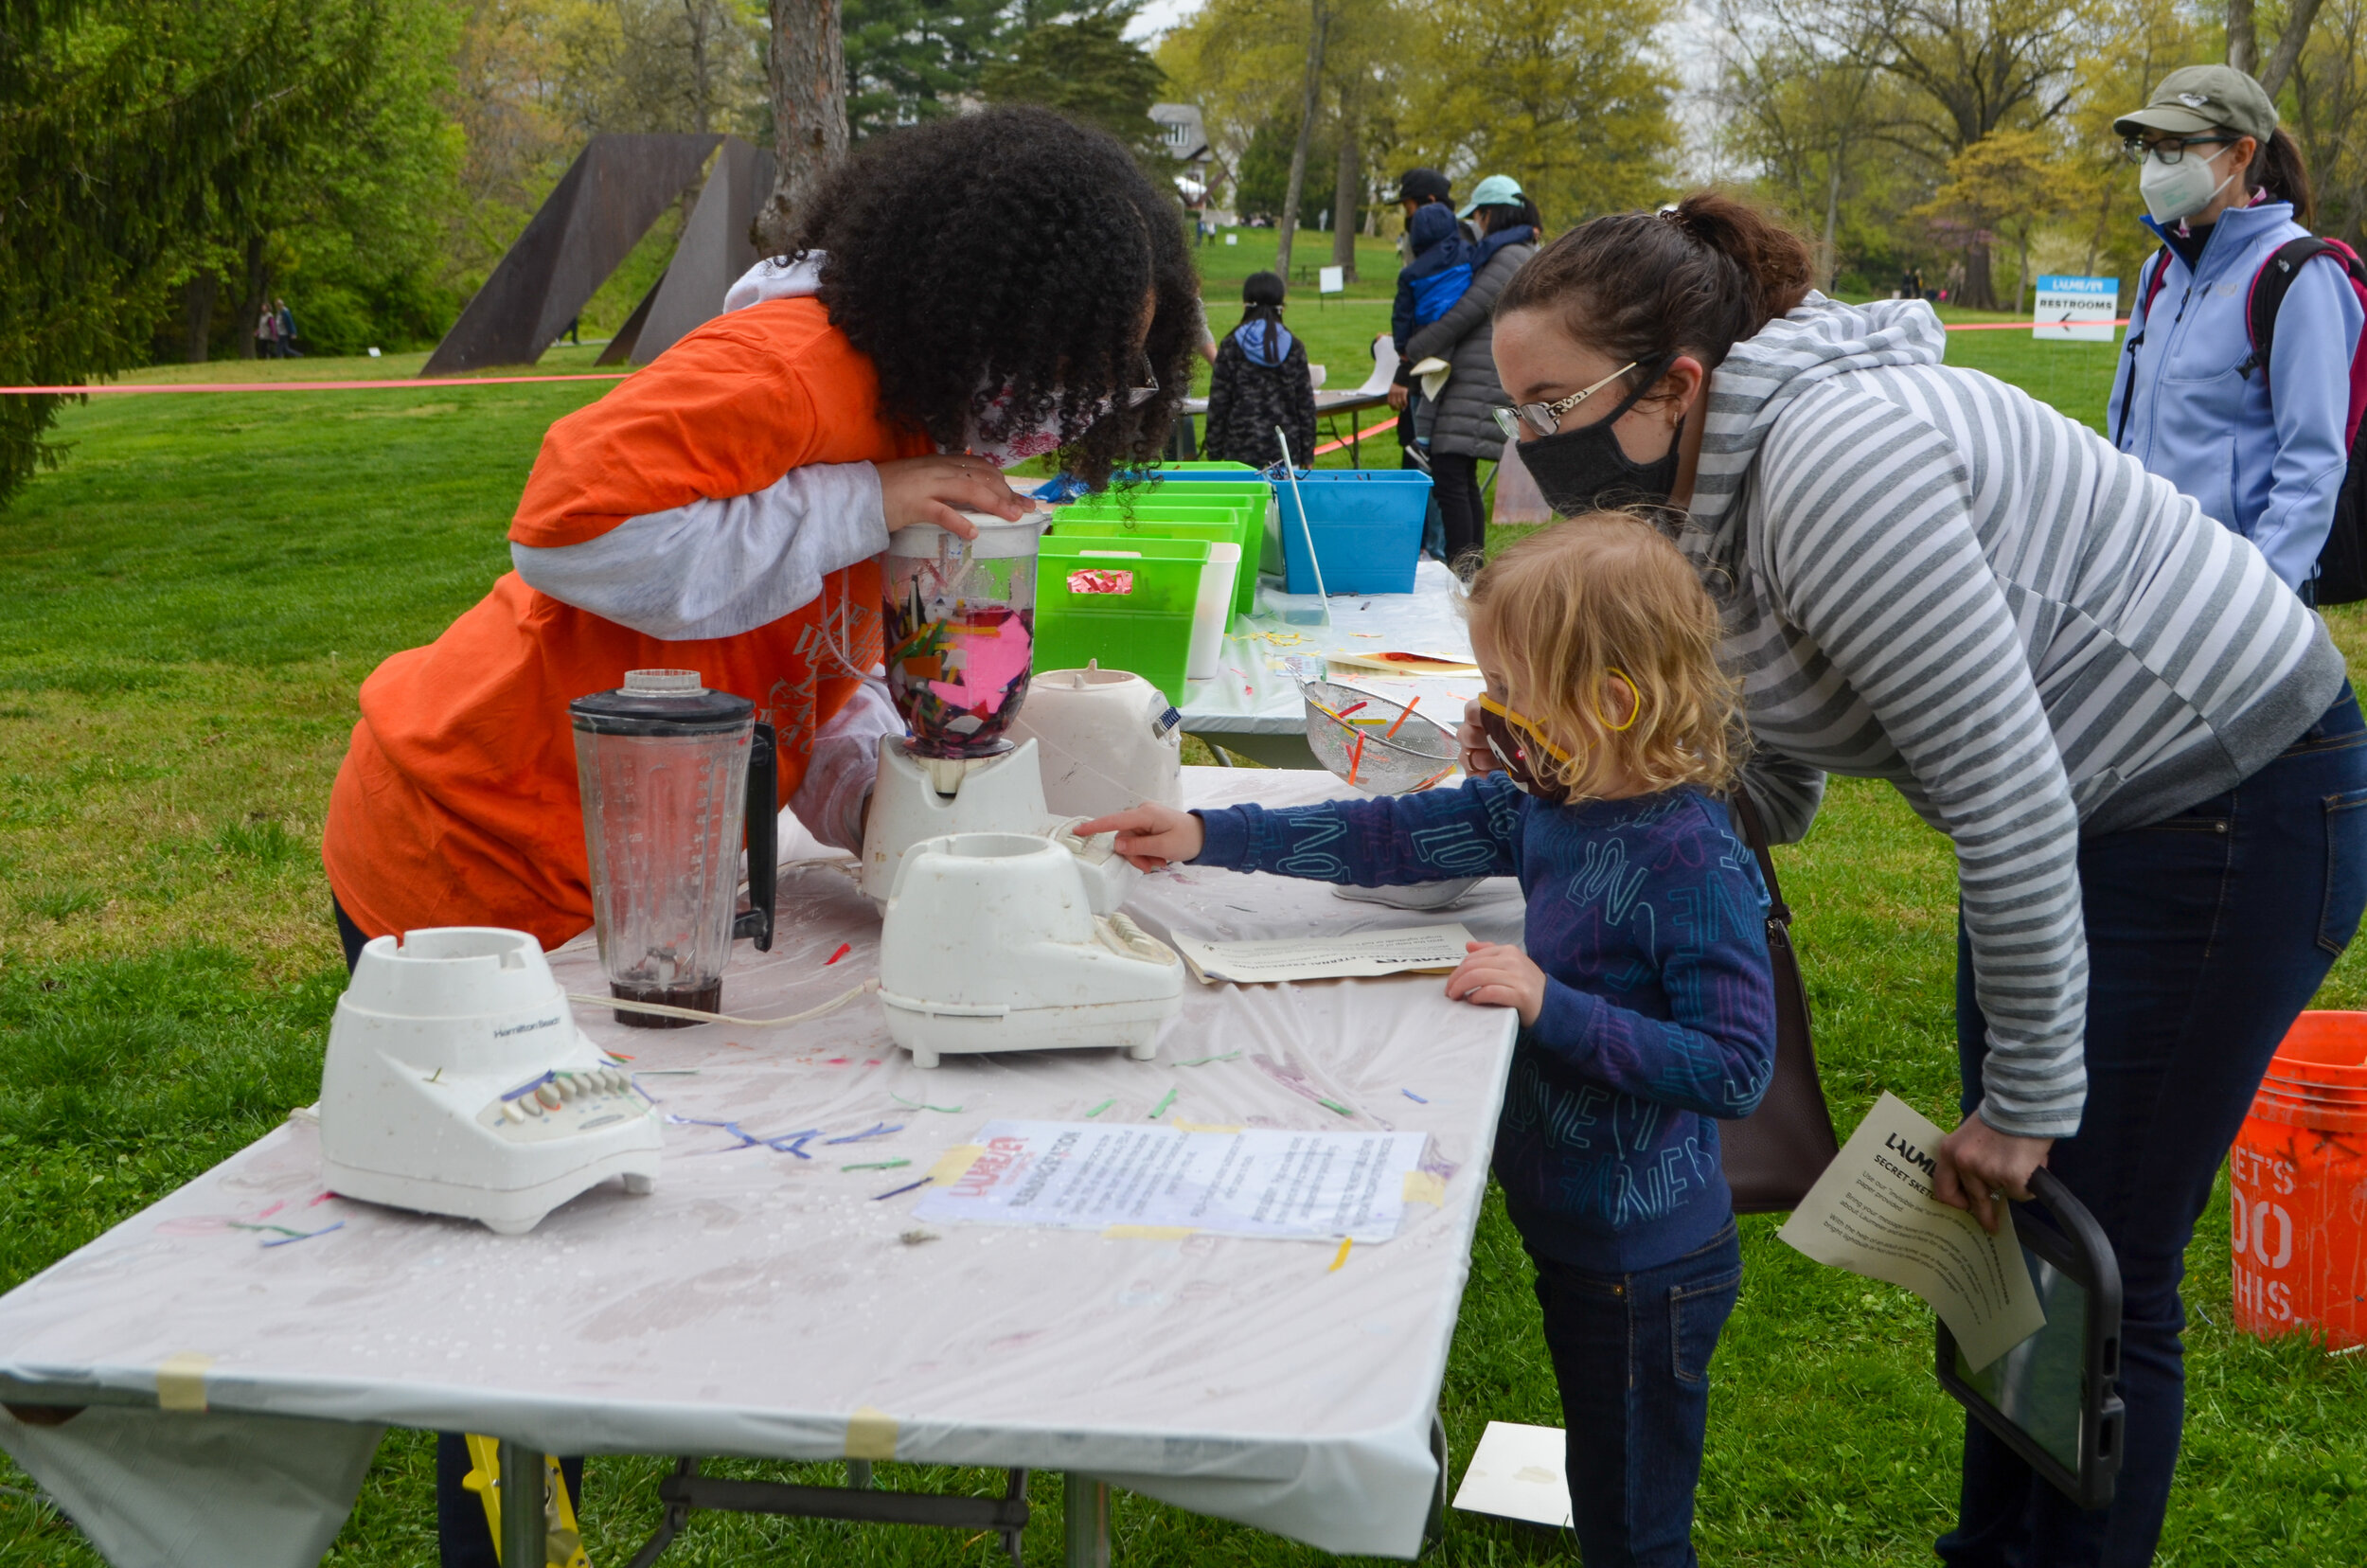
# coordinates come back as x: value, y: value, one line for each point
x: 715, y: 250
x: 618, y: 187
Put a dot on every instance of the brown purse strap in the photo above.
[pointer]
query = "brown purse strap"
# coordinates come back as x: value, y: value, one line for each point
x: 1754, y: 834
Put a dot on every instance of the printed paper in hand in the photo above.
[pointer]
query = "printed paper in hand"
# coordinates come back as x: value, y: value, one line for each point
x: 1872, y: 1213
x: 1365, y: 952
x: 1259, y: 1181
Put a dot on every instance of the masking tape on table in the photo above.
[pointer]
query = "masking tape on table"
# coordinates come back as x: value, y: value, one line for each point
x: 1147, y: 1233
x: 180, y: 1381
x: 870, y: 1433
x: 1425, y: 1187
x: 951, y: 1166
x: 1205, y: 1127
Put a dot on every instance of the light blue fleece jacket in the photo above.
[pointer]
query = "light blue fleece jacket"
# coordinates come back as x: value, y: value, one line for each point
x: 2264, y: 455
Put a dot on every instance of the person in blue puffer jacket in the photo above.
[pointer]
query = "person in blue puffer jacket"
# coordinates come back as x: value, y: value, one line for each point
x: 2263, y: 454
x: 1437, y: 270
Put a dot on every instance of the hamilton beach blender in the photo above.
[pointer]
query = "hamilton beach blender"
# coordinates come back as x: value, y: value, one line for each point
x: 959, y: 620
x: 672, y: 775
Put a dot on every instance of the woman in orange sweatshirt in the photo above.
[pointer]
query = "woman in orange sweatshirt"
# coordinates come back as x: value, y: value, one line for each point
x: 964, y: 294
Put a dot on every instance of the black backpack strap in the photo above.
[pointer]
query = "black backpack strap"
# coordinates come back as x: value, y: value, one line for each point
x: 2269, y: 286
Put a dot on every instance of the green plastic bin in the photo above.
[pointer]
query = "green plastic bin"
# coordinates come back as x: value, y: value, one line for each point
x: 1144, y: 626
x: 1226, y: 520
x: 1264, y: 546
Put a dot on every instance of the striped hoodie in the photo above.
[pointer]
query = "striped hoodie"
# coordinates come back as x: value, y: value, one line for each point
x: 1931, y: 577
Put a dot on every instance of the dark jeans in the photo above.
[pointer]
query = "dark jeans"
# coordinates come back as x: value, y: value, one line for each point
x: 1455, y: 480
x: 1633, y: 1355
x: 2207, y: 934
x: 461, y: 1534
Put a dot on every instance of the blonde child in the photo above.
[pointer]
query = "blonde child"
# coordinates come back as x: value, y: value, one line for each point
x: 1646, y: 1000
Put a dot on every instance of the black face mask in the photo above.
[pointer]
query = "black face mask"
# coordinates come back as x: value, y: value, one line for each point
x: 1583, y: 469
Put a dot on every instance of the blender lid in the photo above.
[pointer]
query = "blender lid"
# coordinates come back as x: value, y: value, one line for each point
x: 662, y: 701
x: 996, y: 538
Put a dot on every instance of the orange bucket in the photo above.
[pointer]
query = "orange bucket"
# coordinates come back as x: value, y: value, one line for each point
x: 2298, y: 1174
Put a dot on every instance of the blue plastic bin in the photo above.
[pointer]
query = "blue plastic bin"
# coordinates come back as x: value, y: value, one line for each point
x: 1367, y: 524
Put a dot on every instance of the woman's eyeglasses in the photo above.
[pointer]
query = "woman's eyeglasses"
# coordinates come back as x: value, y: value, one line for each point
x: 1544, y: 418
x: 2169, y: 150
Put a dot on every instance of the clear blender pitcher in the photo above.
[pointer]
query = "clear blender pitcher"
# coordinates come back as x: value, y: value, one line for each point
x: 961, y: 629
x: 672, y: 775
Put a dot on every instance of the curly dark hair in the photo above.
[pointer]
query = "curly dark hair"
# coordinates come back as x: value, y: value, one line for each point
x: 1012, y: 249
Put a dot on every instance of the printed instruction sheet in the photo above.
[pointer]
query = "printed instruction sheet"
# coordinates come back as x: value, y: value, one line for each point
x: 1872, y: 1213
x: 1254, y: 1182
x: 1360, y: 953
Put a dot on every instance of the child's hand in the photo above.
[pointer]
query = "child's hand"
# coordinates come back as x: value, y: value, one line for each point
x: 1150, y: 836
x: 1497, y: 974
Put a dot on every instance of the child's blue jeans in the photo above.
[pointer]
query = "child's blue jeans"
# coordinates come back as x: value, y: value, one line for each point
x: 1633, y: 1355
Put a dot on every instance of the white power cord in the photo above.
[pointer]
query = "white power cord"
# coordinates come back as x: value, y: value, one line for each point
x: 665, y: 1010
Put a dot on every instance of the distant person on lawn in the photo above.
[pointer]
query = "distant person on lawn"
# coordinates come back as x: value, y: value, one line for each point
x: 725, y: 511
x: 1261, y: 382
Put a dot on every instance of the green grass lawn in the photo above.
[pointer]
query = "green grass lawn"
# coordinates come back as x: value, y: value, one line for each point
x: 195, y: 597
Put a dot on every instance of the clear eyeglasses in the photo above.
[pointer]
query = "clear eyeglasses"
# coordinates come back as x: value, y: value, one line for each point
x: 1544, y: 418
x: 2168, y: 149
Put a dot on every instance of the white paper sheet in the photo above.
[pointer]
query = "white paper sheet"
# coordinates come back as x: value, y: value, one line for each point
x: 1872, y: 1213
x: 1269, y: 1183
x: 1519, y: 1472
x: 1363, y: 952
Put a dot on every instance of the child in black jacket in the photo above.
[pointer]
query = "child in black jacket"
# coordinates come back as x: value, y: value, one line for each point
x: 1261, y: 382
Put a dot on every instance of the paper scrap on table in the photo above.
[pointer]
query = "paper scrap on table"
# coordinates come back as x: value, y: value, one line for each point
x: 1407, y: 664
x: 1130, y: 1177
x: 1872, y: 1213
x: 1362, y: 952
x: 1519, y: 1472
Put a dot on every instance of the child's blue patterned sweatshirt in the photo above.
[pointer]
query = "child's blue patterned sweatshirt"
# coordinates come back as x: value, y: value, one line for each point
x: 1649, y: 920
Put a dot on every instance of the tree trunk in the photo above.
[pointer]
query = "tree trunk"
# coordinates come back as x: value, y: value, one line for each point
x: 1827, y: 262
x: 257, y: 290
x: 1347, y: 195
x: 2288, y: 51
x: 197, y: 316
x: 2022, y: 279
x: 1980, y: 293
x: 1286, y: 225
x: 807, y: 65
x: 2243, y: 42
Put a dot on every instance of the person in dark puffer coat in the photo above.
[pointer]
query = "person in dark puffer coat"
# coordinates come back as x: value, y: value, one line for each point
x: 1464, y: 432
x: 1261, y: 382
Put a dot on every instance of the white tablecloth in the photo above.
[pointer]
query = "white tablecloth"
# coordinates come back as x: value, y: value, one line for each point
x: 1249, y: 696
x: 756, y: 1303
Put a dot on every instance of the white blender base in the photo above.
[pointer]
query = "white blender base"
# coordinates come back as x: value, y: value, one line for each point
x: 993, y: 794
x: 1130, y: 1027
x: 506, y: 1212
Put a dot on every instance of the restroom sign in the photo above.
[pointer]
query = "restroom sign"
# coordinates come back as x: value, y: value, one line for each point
x: 2076, y: 310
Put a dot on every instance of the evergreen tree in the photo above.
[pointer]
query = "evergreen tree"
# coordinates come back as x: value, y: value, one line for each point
x: 1086, y: 71
x: 908, y: 61
x: 130, y: 130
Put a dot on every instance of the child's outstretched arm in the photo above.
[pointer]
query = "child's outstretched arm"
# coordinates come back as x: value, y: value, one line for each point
x: 1471, y: 831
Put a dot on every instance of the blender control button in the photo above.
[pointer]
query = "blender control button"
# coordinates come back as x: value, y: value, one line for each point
x: 548, y: 1094
x: 618, y: 1082
x: 530, y: 1105
x: 511, y: 1113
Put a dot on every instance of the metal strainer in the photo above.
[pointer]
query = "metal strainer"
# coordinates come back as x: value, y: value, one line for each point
x: 1379, y: 746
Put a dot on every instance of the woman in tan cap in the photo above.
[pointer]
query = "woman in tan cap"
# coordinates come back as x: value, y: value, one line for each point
x: 2263, y: 450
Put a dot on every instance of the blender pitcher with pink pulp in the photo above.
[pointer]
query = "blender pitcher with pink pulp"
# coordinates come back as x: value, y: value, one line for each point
x: 672, y: 776
x: 960, y: 630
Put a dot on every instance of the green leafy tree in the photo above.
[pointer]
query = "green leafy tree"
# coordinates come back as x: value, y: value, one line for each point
x: 1086, y: 69
x: 908, y: 61
x: 129, y: 131
x: 1262, y: 179
x: 1565, y: 96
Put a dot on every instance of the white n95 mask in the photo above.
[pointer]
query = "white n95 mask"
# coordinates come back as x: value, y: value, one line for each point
x: 2173, y: 191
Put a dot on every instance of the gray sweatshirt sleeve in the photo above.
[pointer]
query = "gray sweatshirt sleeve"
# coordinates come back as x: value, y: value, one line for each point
x: 717, y: 568
x: 842, y: 766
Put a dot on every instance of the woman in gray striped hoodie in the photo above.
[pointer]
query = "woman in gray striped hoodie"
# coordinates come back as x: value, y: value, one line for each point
x: 2144, y: 746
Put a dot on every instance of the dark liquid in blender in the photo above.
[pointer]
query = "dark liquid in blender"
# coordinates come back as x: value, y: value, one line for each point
x: 706, y: 998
